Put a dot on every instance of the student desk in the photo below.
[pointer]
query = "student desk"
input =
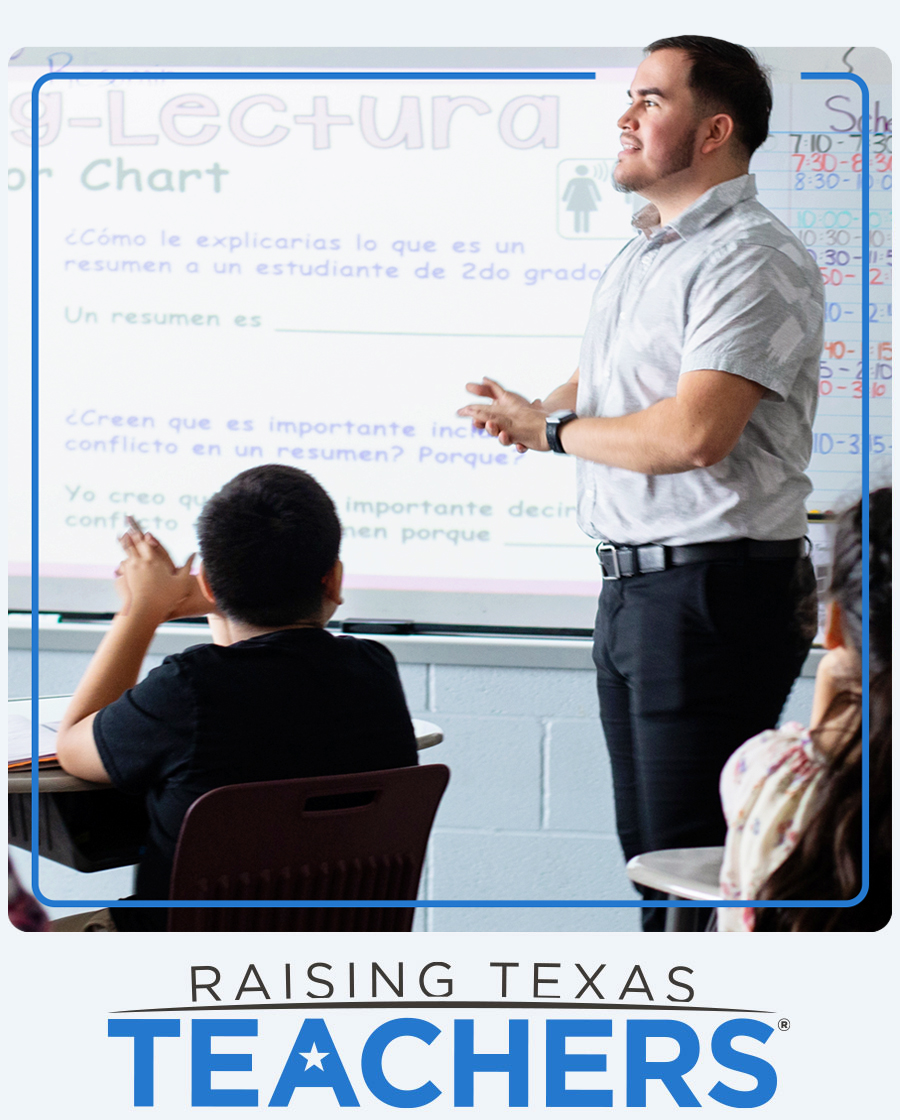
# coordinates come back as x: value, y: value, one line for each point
x: 87, y: 826
x: 690, y: 873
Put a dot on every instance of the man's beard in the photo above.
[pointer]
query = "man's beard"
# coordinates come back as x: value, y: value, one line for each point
x: 678, y: 160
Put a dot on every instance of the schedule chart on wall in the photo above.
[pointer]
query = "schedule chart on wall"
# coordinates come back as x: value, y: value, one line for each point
x: 810, y: 174
x: 243, y: 267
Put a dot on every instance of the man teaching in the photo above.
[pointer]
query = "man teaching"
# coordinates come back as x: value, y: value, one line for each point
x: 691, y: 419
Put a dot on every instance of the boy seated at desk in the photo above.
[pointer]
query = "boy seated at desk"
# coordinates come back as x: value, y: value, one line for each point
x: 274, y: 696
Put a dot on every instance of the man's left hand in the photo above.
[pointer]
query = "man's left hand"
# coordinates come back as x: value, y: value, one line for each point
x: 509, y: 416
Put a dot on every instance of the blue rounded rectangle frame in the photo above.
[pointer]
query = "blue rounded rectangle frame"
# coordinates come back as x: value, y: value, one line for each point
x: 428, y: 903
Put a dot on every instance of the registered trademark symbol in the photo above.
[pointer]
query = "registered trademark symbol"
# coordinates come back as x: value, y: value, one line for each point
x: 784, y: 1024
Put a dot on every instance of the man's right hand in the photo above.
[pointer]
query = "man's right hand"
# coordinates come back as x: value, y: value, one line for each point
x: 509, y: 416
x: 564, y: 396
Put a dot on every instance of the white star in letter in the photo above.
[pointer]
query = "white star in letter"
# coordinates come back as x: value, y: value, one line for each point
x: 314, y: 1057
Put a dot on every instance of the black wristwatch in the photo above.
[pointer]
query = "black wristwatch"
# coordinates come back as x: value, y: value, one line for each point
x: 555, y: 422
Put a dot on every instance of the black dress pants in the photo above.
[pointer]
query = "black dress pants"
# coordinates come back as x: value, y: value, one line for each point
x: 692, y: 662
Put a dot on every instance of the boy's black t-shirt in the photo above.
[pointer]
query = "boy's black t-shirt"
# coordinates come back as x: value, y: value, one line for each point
x: 290, y: 704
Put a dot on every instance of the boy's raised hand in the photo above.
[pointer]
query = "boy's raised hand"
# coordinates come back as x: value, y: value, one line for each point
x: 194, y: 604
x: 153, y: 590
x: 150, y: 583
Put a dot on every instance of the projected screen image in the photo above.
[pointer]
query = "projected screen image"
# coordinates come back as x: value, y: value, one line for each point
x: 247, y: 271
x: 242, y: 270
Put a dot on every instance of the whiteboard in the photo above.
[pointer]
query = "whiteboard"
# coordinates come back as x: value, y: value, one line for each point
x: 259, y: 267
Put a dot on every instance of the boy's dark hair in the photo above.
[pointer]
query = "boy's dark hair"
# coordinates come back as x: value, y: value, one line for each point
x: 267, y: 538
x: 726, y: 78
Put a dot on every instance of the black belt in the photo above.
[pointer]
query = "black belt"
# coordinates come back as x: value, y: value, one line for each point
x: 619, y: 561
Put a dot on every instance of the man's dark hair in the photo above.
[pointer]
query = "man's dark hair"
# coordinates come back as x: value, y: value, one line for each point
x: 267, y: 538
x: 726, y: 78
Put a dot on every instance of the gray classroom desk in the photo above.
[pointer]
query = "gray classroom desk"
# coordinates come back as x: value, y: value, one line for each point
x: 685, y: 873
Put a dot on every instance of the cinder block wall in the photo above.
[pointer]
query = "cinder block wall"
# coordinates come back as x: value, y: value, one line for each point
x: 528, y: 813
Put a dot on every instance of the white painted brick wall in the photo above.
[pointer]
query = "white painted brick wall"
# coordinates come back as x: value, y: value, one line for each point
x: 528, y: 813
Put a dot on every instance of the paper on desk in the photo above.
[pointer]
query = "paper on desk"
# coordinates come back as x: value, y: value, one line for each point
x: 20, y: 741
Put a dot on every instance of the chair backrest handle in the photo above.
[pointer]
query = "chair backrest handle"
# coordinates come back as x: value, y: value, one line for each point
x: 332, y: 802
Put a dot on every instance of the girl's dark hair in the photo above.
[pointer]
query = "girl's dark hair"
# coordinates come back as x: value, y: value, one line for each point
x: 827, y: 862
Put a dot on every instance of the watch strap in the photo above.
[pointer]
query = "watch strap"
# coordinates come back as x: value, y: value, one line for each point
x: 555, y: 423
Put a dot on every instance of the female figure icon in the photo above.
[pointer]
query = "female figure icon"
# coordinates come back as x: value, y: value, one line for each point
x: 582, y: 197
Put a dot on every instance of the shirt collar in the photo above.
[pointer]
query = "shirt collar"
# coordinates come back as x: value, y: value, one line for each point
x: 708, y: 207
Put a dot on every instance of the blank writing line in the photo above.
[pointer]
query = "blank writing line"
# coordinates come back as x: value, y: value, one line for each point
x: 422, y: 334
x: 539, y: 544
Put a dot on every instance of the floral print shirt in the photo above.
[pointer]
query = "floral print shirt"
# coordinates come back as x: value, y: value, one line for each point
x: 767, y: 789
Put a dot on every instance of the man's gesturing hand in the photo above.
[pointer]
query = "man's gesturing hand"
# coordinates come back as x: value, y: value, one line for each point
x: 509, y: 416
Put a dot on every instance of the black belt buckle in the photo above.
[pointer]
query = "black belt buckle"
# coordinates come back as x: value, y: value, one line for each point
x: 608, y: 556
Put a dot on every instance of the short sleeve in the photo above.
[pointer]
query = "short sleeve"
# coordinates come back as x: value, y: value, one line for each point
x: 755, y: 312
x: 382, y: 656
x: 147, y: 735
x: 396, y: 725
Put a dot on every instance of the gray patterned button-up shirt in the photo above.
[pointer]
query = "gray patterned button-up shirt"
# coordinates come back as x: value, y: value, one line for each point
x: 725, y: 286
